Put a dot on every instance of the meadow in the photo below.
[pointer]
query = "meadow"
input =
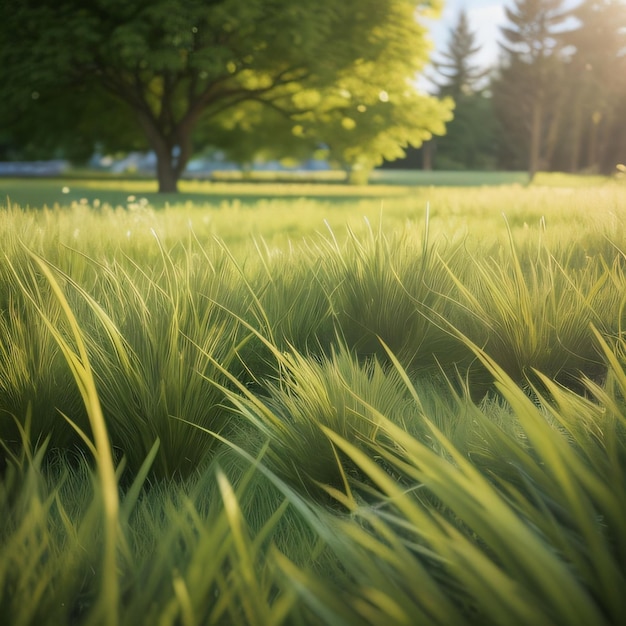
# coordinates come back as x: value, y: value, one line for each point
x: 313, y: 404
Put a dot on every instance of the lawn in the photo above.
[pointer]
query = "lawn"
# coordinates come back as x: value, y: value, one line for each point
x: 81, y: 186
x: 313, y: 403
x: 238, y: 210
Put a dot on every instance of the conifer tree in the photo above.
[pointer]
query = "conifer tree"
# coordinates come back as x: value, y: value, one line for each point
x: 459, y: 75
x: 469, y: 139
x: 528, y: 91
x: 597, y: 133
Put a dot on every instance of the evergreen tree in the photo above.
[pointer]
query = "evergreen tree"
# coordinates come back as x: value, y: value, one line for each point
x: 469, y: 139
x: 455, y: 67
x: 597, y: 134
x: 528, y: 92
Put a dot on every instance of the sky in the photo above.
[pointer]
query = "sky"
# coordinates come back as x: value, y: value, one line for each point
x: 485, y: 18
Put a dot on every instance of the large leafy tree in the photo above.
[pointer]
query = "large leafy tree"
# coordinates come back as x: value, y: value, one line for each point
x: 248, y: 75
x: 528, y: 92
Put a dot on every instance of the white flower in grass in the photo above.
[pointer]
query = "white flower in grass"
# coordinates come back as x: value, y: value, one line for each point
x: 65, y: 190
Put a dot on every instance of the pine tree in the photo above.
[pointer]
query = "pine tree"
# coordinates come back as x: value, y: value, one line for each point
x: 469, y: 139
x: 598, y: 86
x: 459, y: 74
x: 528, y: 92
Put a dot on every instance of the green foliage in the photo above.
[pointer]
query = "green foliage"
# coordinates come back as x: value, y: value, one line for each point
x: 460, y: 76
x: 597, y: 88
x: 530, y: 90
x: 285, y: 78
x: 470, y: 136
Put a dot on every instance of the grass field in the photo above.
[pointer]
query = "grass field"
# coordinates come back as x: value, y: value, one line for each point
x: 313, y: 404
x: 39, y: 192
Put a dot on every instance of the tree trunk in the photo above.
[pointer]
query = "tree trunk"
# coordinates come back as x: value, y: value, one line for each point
x: 554, y: 128
x: 166, y: 172
x: 577, y: 130
x: 607, y: 137
x: 428, y: 148
x: 592, y: 151
x: 173, y: 151
x: 536, y: 131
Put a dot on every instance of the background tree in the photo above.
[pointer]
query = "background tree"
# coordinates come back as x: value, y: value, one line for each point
x: 595, y: 133
x: 458, y: 74
x: 173, y: 75
x: 528, y: 96
x: 469, y: 139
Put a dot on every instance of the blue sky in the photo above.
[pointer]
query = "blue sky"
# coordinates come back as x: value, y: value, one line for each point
x: 485, y: 18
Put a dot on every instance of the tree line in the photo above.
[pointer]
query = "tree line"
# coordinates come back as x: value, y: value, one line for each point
x: 556, y: 101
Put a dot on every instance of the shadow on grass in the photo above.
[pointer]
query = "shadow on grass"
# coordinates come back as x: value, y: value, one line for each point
x: 29, y: 193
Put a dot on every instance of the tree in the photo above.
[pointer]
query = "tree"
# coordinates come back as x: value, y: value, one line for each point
x: 455, y: 67
x: 175, y: 75
x: 527, y: 91
x: 597, y: 137
x: 468, y: 142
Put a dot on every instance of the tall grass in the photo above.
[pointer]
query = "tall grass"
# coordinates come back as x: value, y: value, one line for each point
x: 428, y: 535
x: 365, y: 426
x: 382, y: 287
x: 534, y: 312
x: 67, y: 334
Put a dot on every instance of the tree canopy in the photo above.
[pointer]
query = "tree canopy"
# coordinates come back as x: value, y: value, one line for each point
x: 278, y: 76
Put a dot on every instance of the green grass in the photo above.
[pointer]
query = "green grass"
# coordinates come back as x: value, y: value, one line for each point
x: 85, y: 187
x: 315, y: 408
x: 236, y: 212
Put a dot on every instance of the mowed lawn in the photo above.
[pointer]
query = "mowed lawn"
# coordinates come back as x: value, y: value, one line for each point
x: 325, y: 187
x: 236, y: 210
x: 37, y: 192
